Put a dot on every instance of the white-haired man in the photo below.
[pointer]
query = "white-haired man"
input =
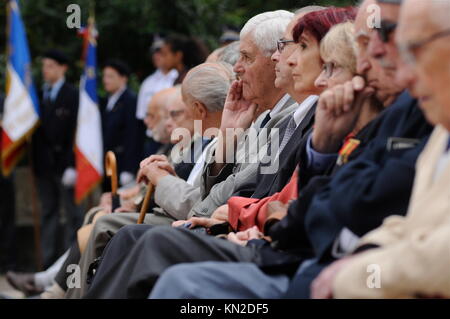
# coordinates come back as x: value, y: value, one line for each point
x: 203, y: 105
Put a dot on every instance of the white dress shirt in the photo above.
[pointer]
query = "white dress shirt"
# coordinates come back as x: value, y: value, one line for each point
x: 112, y: 100
x: 154, y: 83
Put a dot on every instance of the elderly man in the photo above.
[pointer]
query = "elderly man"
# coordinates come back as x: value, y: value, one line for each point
x: 381, y: 46
x: 315, y: 209
x: 260, y: 102
x: 328, y: 210
x: 270, y: 105
x: 411, y: 258
x: 302, y: 118
x: 199, y: 104
x: 272, y: 176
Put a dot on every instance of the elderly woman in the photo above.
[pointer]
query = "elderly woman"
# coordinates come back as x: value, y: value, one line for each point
x: 304, y: 64
x: 190, y: 247
x: 338, y: 52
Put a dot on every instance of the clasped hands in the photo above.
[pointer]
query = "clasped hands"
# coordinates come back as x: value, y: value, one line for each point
x: 218, y: 217
x: 153, y: 168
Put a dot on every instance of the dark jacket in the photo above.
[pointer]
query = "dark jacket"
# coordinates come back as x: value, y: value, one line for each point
x: 373, y: 185
x: 265, y: 185
x: 123, y: 133
x: 53, y: 142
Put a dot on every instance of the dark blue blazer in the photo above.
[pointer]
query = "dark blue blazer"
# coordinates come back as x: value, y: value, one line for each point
x: 123, y: 133
x: 53, y: 141
x: 375, y: 184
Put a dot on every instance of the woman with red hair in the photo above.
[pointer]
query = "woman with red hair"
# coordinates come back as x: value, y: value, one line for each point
x: 244, y: 213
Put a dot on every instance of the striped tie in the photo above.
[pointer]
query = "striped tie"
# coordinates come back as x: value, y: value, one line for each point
x: 288, y: 134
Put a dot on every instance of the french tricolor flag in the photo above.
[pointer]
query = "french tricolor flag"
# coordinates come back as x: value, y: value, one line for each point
x: 21, y: 108
x: 88, y: 143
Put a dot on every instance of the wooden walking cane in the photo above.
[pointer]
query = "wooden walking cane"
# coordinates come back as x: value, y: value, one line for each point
x: 146, y: 202
x: 111, y: 170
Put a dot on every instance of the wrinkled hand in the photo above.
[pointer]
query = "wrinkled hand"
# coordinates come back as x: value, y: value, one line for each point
x: 276, y: 207
x: 160, y: 162
x: 241, y: 238
x: 151, y: 173
x: 237, y: 112
x: 221, y: 213
x: 322, y: 286
x: 179, y: 223
x: 129, y: 193
x: 198, y: 221
x: 153, y: 158
x: 337, y: 112
x: 127, y: 207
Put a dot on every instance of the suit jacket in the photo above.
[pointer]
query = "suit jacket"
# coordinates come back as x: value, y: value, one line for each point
x: 414, y: 255
x: 265, y: 184
x: 123, y: 132
x: 53, y: 141
x: 177, y: 207
x: 375, y: 184
x: 233, y: 176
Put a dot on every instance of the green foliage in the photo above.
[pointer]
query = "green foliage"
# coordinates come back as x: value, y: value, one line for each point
x: 126, y: 26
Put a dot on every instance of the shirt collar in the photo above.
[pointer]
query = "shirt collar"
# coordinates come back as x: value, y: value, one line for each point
x: 54, y: 89
x: 118, y: 93
x: 304, y: 108
x: 112, y: 100
x: 279, y: 106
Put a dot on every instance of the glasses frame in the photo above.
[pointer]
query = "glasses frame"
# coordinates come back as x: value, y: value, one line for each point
x: 406, y: 49
x: 281, y: 44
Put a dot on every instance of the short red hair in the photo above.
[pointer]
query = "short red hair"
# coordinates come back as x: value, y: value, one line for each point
x: 318, y: 23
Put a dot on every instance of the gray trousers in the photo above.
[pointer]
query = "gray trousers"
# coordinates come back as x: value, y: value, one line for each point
x: 104, y: 229
x: 218, y: 280
x: 138, y: 255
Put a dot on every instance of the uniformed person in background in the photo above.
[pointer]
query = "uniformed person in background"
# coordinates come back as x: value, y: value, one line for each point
x: 123, y: 133
x: 54, y: 157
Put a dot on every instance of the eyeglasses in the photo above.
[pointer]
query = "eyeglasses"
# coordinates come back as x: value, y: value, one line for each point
x: 329, y: 68
x: 407, y: 50
x: 385, y: 30
x: 176, y: 114
x: 281, y: 44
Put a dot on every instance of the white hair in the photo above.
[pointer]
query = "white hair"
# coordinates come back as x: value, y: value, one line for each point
x: 266, y: 28
x: 209, y: 83
x: 229, y: 54
x: 309, y: 9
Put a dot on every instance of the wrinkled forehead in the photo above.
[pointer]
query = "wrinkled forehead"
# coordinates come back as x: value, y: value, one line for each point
x: 175, y: 102
x: 415, y: 22
x: 247, y: 45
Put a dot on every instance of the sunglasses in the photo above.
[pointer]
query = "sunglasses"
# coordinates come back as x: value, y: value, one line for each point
x: 385, y: 30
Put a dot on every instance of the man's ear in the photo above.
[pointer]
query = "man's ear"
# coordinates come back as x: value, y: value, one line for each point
x: 200, y: 110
